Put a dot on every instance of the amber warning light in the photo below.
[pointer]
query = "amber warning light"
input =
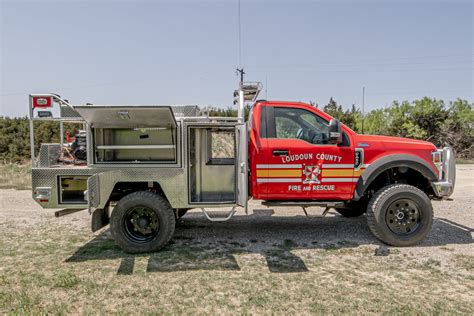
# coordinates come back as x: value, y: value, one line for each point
x: 42, y: 102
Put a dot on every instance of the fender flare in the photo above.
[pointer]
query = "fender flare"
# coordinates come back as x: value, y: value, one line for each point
x: 387, y: 162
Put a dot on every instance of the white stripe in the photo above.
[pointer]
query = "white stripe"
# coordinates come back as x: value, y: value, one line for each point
x: 338, y: 166
x: 342, y: 166
x: 276, y: 166
x: 299, y: 166
x: 278, y: 180
x: 339, y: 179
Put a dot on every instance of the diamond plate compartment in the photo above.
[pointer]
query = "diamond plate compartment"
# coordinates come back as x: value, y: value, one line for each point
x: 48, y: 155
x: 185, y: 110
x: 67, y: 111
x: 172, y: 181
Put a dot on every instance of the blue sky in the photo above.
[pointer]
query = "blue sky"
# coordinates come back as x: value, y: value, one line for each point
x: 185, y: 52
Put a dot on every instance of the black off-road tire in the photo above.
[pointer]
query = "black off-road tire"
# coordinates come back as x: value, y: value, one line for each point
x: 385, y: 200
x: 356, y: 209
x: 158, y: 206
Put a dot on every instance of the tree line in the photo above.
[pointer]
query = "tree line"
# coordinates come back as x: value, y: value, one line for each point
x: 428, y: 119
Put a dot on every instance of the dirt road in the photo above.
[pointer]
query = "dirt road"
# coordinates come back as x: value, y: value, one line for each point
x: 273, y: 261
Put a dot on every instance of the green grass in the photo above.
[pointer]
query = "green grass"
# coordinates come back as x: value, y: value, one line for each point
x: 66, y: 280
x: 15, y: 176
x: 219, y: 276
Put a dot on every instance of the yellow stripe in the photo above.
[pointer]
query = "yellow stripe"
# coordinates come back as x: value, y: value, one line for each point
x: 338, y: 172
x: 358, y: 172
x: 275, y: 173
x: 341, y: 173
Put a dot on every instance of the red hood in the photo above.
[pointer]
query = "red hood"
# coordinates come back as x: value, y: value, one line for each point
x: 392, y: 142
x: 379, y: 146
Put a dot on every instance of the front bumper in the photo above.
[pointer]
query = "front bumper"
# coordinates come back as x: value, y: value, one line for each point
x: 444, y: 187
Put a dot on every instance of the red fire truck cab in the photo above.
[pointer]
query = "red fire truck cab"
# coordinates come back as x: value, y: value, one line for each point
x: 300, y: 155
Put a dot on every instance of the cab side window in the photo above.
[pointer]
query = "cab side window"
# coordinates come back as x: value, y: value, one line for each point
x: 286, y: 128
x: 300, y: 124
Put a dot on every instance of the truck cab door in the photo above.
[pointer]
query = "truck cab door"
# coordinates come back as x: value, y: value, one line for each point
x: 301, y: 163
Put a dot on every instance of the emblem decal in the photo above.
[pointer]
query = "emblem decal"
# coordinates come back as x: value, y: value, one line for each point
x: 312, y: 174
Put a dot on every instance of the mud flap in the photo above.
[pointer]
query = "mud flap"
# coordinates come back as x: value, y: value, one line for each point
x: 93, y: 197
x: 100, y: 218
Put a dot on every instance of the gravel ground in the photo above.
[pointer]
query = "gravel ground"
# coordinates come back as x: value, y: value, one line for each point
x: 280, y: 240
x: 453, y: 225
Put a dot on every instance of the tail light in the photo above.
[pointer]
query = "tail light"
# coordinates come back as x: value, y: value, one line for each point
x: 42, y: 194
x: 42, y: 101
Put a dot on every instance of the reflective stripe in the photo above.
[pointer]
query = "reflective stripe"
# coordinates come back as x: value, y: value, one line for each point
x: 276, y: 173
x: 338, y: 166
x: 341, y: 172
x: 279, y: 180
x: 297, y: 166
x: 357, y: 173
x: 337, y: 172
x: 275, y: 166
x: 342, y: 166
x: 339, y: 179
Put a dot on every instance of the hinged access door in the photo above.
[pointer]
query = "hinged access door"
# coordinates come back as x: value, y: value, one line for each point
x: 99, y: 116
x: 212, y: 164
x: 241, y: 139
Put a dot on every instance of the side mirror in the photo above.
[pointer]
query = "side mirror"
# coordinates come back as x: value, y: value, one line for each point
x: 335, y: 132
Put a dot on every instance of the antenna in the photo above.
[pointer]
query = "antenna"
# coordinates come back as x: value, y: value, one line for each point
x: 242, y: 73
x: 266, y: 85
x: 240, y: 39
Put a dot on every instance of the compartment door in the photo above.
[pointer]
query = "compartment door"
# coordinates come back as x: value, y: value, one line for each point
x: 241, y: 142
x: 212, y: 165
x: 99, y: 116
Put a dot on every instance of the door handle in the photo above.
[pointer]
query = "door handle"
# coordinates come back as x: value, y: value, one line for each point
x: 280, y: 152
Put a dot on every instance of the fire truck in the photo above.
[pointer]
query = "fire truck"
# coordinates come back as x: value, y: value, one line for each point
x: 140, y: 168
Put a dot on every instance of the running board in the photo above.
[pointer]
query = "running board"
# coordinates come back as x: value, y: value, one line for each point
x: 219, y: 219
x: 305, y: 204
x: 327, y: 204
x: 68, y: 211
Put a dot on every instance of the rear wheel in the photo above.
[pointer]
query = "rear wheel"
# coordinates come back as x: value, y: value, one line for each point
x: 142, y: 222
x: 400, y: 215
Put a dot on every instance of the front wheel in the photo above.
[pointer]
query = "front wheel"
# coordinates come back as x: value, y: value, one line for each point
x: 142, y: 222
x: 400, y: 215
